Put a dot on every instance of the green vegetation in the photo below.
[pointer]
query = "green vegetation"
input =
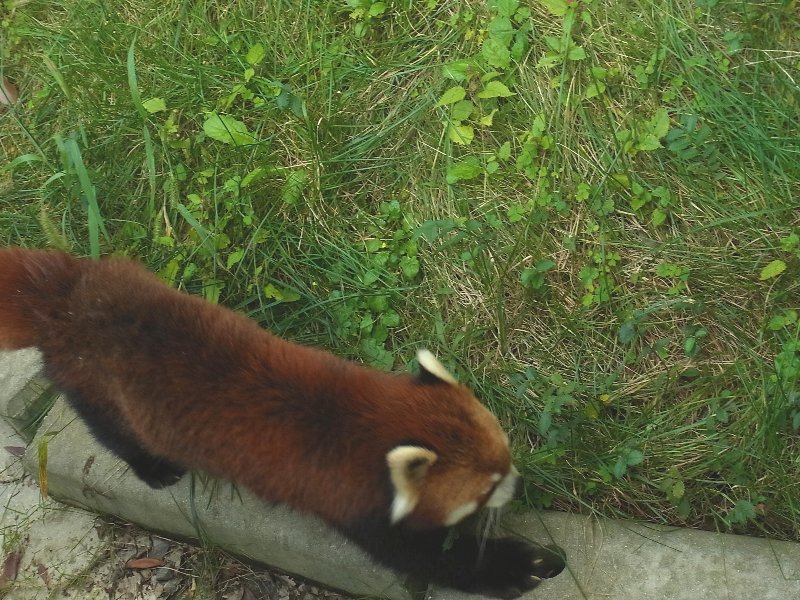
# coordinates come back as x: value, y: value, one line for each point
x: 587, y: 208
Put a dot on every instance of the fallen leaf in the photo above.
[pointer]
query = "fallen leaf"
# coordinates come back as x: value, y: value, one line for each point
x: 10, y: 567
x: 15, y: 450
x: 144, y: 563
x: 8, y: 92
x: 42, y: 571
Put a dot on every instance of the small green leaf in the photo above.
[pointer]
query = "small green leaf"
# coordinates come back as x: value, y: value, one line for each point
x: 495, y: 89
x: 227, y: 130
x: 154, y: 105
x: 678, y: 490
x: 487, y: 120
x: 659, y: 123
x: 461, y: 110
x: 390, y: 318
x: 627, y: 331
x: 659, y: 216
x: 293, y: 187
x: 377, y: 9
x: 496, y: 54
x: 235, y: 257
x: 773, y: 269
x: 467, y: 169
x: 501, y: 29
x: 456, y: 70
x: 281, y: 295
x: 504, y: 152
x: 409, y: 265
x: 634, y: 457
x: 576, y: 53
x: 461, y: 134
x: 256, y: 54
x: 506, y: 8
x: 648, y: 142
x: 451, y: 96
x: 557, y: 7
x: 594, y: 89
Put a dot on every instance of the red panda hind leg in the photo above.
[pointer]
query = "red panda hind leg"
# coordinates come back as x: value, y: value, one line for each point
x: 108, y: 429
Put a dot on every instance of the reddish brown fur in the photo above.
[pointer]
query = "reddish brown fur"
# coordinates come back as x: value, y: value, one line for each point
x: 168, y: 381
x: 294, y: 424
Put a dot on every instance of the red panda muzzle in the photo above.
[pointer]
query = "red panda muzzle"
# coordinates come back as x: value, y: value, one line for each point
x: 169, y: 382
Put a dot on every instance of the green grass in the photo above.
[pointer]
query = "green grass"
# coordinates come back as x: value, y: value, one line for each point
x: 590, y: 262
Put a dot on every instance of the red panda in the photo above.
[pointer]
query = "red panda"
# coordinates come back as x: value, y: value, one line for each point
x: 169, y: 382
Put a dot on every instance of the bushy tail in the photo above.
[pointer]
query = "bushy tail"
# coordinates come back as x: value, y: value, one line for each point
x: 33, y: 285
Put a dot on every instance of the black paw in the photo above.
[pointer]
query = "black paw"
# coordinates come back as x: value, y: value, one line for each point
x: 511, y: 567
x: 156, y: 472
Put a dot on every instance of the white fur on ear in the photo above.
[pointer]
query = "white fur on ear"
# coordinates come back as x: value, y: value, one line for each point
x: 429, y: 362
x: 408, y: 465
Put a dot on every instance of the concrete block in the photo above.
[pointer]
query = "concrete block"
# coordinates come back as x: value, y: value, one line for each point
x: 83, y: 474
x: 24, y: 392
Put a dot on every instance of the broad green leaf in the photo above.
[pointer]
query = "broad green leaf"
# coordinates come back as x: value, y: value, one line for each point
x: 461, y: 110
x: 659, y: 123
x: 256, y: 54
x: 252, y: 176
x: 501, y: 29
x: 557, y: 7
x: 544, y: 265
x: 496, y: 54
x: 648, y: 142
x: 281, y: 295
x: 377, y: 9
x: 678, y: 490
x: 467, y: 169
x: 531, y: 279
x: 451, y: 96
x: 293, y: 187
x: 409, y: 265
x: 773, y: 269
x: 227, y: 130
x: 154, y: 105
x: 576, y: 53
x: 456, y: 70
x: 235, y: 257
x: 461, y: 134
x: 507, y: 8
x: 504, y: 152
x: 495, y: 89
x: 594, y: 89
x: 659, y: 216
x: 635, y: 457
x: 555, y: 43
x: 627, y: 331
x: 487, y: 120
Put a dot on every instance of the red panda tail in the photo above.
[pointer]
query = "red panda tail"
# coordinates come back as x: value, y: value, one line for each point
x: 33, y: 283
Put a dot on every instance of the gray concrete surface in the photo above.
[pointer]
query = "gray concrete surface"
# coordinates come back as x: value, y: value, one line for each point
x: 608, y: 560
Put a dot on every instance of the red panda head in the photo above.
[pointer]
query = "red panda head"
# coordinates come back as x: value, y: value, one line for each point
x: 463, y: 466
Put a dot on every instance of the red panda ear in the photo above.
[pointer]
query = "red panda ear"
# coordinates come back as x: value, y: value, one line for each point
x: 431, y: 370
x: 408, y: 466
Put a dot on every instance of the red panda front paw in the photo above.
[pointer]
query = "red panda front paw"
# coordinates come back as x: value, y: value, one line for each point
x: 511, y: 567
